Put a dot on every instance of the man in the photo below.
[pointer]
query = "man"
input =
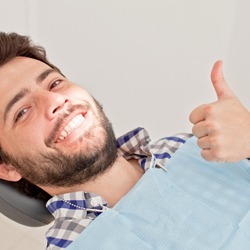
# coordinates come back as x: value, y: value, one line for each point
x: 55, y: 136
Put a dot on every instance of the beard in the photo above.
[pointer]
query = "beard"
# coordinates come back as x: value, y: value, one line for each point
x: 60, y: 168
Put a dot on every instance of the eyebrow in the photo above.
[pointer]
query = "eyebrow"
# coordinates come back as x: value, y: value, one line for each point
x: 45, y: 74
x: 23, y: 92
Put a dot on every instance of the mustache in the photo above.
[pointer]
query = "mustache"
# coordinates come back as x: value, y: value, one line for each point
x: 61, y: 118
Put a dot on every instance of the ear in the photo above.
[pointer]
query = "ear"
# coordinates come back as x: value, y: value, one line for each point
x: 9, y: 173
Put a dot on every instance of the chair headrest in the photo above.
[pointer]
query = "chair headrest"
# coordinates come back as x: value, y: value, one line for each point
x: 21, y: 208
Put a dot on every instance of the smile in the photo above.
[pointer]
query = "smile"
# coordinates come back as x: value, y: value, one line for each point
x: 72, y: 125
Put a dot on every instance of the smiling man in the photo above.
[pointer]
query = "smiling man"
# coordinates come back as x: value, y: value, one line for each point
x: 66, y: 122
x: 55, y: 137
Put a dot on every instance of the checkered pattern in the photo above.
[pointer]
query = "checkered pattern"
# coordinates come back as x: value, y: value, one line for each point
x: 70, y: 221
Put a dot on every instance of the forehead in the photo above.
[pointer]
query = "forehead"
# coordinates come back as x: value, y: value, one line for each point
x: 19, y: 73
x: 20, y: 68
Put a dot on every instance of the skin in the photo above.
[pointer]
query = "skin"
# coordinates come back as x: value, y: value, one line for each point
x: 222, y: 127
x: 29, y: 123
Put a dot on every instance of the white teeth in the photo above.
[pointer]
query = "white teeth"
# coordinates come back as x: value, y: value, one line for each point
x: 64, y: 133
x: 67, y: 129
x: 73, y: 124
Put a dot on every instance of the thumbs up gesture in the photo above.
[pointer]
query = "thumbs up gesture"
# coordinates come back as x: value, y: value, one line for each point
x: 222, y: 127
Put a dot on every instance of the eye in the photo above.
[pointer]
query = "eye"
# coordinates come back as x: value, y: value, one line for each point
x: 21, y: 114
x: 55, y: 84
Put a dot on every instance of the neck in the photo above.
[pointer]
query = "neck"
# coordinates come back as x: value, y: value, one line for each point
x: 112, y: 185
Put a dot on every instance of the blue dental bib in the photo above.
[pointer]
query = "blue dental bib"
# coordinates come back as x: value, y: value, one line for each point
x: 195, y: 205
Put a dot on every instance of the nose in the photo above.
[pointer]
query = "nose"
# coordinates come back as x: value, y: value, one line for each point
x: 53, y: 104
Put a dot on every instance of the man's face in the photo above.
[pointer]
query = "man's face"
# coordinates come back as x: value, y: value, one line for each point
x: 52, y: 130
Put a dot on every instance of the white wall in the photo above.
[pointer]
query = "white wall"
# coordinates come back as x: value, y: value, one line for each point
x: 147, y: 61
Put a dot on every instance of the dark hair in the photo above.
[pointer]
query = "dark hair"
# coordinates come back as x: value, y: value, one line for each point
x: 11, y: 46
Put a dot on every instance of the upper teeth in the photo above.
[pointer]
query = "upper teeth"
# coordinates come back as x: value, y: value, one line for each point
x: 74, y: 123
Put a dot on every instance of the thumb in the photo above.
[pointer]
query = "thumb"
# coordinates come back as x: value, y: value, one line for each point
x: 220, y: 85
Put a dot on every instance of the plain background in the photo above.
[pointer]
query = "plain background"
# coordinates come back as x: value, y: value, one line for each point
x: 147, y: 61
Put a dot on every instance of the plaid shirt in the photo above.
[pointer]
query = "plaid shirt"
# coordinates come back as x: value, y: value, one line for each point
x: 71, y: 220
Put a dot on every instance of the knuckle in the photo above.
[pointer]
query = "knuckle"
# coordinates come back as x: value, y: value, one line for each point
x: 215, y: 142
x: 199, y: 143
x: 217, y: 150
x: 211, y: 126
x: 195, y: 115
x: 218, y: 155
x: 209, y: 110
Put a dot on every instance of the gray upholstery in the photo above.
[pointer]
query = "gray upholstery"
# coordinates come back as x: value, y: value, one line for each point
x: 21, y: 208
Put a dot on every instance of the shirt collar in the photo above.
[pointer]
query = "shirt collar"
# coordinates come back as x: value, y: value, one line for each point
x: 134, y: 144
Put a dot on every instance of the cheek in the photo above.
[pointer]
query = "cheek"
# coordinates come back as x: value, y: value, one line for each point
x: 27, y: 140
x: 79, y: 93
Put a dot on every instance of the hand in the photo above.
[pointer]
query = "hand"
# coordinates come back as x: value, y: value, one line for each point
x: 222, y: 127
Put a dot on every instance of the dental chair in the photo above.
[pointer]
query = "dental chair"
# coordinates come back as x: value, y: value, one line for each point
x: 21, y: 208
